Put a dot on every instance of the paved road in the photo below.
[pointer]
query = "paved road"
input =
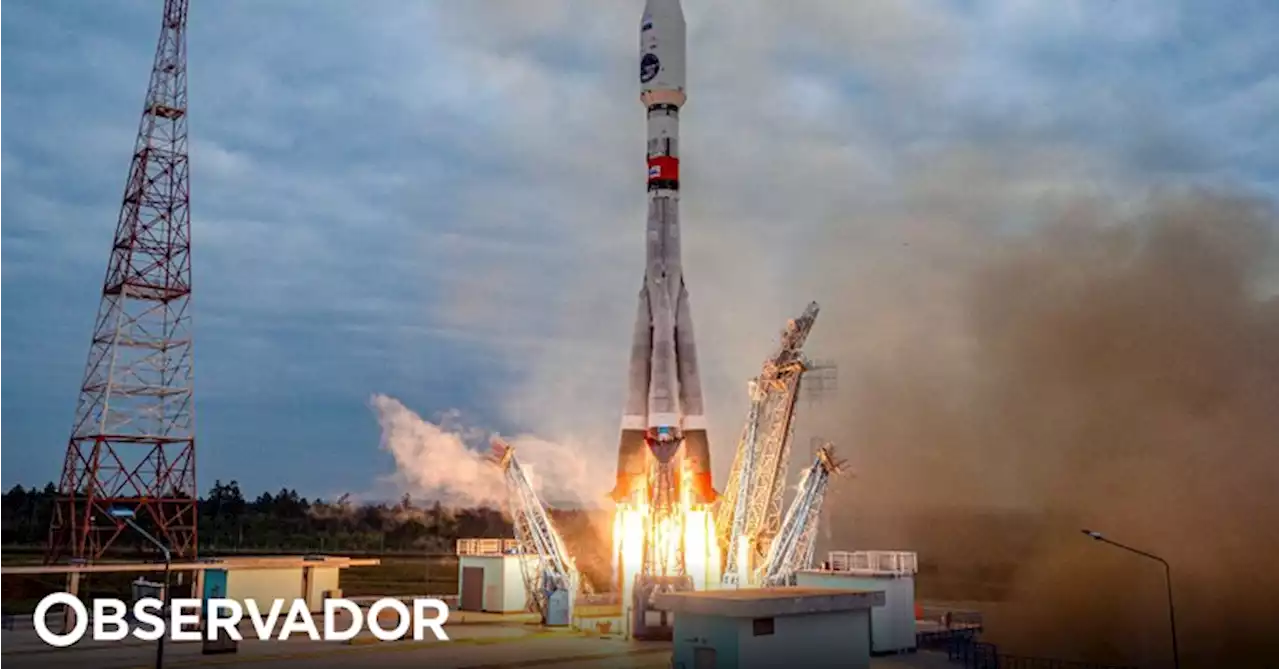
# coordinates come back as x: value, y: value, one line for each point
x: 473, y: 646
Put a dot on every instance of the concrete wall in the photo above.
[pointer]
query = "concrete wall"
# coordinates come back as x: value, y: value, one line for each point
x: 322, y: 580
x: 816, y: 640
x: 893, y: 626
x: 264, y: 585
x: 694, y: 632
x: 514, y: 596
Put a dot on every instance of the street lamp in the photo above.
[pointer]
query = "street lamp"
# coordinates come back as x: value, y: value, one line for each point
x: 1168, y: 583
x: 127, y: 515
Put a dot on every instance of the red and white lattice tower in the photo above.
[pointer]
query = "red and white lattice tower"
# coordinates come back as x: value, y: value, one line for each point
x: 133, y: 442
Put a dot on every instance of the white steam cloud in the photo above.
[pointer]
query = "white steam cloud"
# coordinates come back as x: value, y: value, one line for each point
x: 447, y: 462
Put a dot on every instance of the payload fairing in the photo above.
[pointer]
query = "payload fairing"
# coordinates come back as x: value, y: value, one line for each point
x: 664, y: 415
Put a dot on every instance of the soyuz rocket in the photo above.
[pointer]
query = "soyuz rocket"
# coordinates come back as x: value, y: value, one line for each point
x: 663, y: 418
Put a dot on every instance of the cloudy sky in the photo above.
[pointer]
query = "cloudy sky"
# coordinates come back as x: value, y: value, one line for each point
x: 443, y: 202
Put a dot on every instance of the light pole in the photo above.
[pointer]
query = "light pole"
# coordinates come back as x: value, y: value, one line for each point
x: 127, y: 515
x: 1168, y: 584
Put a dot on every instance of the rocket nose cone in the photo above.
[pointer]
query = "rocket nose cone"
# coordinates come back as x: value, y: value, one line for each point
x: 662, y: 11
x: 662, y: 51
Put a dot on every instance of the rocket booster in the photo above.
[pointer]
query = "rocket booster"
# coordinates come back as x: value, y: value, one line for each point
x: 664, y: 415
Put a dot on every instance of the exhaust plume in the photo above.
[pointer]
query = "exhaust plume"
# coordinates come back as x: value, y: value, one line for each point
x: 447, y: 462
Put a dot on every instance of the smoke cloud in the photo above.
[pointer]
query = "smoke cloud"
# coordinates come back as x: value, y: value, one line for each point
x: 1113, y: 367
x: 447, y: 462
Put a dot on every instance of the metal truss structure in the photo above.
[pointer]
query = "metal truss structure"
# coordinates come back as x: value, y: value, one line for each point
x: 133, y: 439
x: 750, y: 511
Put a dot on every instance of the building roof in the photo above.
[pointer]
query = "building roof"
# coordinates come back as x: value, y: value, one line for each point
x: 769, y: 602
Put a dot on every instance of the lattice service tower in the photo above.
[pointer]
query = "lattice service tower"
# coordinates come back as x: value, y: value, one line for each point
x: 133, y: 441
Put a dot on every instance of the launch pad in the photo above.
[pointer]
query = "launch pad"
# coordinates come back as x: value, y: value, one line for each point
x: 648, y: 621
x: 664, y: 542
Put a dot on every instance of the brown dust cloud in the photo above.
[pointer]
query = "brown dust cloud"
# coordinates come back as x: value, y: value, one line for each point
x: 1110, y: 365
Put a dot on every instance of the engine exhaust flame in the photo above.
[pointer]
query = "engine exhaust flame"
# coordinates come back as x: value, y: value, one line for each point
x: 673, y: 541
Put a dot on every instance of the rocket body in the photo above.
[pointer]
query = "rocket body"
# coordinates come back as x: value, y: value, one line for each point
x: 663, y: 419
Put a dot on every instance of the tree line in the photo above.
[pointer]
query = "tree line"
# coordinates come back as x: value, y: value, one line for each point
x: 230, y: 522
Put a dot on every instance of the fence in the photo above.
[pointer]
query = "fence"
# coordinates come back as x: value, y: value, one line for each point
x: 900, y: 563
x: 958, y: 618
x: 963, y: 647
x: 1019, y: 662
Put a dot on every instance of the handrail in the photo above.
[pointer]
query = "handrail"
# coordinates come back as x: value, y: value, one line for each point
x: 489, y: 547
x: 962, y: 646
x: 898, y: 563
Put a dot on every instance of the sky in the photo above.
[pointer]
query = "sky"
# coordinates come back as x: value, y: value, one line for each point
x: 443, y: 202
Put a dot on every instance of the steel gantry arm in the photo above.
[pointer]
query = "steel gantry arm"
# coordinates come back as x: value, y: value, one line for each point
x: 793, y: 548
x: 554, y: 570
x: 749, y: 515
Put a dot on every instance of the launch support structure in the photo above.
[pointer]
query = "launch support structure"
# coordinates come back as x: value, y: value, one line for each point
x: 551, y: 581
x: 749, y: 515
x: 792, y: 549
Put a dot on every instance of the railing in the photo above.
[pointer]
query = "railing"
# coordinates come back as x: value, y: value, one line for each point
x: 1020, y: 662
x: 951, y: 619
x: 897, y: 563
x: 598, y: 599
x: 489, y: 547
x: 945, y: 639
x: 962, y: 646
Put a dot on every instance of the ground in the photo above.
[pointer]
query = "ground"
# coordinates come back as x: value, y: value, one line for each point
x: 510, y: 643
x: 472, y: 646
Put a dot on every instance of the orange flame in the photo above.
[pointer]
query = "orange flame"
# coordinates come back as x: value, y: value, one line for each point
x: 687, y: 532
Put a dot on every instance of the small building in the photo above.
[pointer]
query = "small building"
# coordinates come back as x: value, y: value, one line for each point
x: 893, y: 626
x: 491, y: 575
x: 313, y: 578
x: 771, y: 627
x: 264, y: 579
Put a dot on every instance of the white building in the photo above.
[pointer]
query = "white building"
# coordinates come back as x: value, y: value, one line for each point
x: 769, y: 628
x: 491, y: 575
x: 893, y: 626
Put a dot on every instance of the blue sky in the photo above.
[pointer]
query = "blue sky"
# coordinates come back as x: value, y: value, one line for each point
x: 443, y: 201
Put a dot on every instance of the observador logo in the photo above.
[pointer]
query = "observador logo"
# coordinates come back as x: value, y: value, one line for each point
x: 110, y: 619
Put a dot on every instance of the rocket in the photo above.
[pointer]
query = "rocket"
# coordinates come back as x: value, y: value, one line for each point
x: 663, y: 416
